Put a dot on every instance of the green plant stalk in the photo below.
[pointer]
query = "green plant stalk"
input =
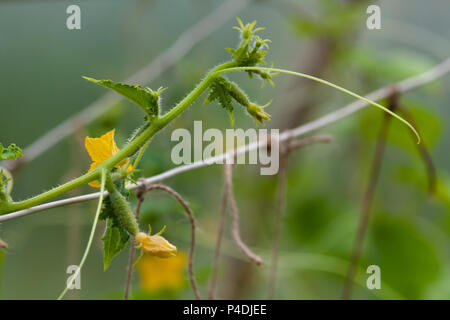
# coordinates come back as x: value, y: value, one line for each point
x: 91, y: 236
x: 126, y: 152
x: 133, y: 146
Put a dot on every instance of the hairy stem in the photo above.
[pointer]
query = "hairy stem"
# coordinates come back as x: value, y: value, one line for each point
x: 408, y: 84
x: 235, y: 217
x: 131, y: 148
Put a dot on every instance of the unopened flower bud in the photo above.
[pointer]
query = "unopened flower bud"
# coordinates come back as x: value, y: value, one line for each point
x: 258, y: 113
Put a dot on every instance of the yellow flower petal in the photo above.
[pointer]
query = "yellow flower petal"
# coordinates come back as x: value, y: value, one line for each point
x: 103, y: 148
x: 158, y: 274
x: 95, y: 183
x: 100, y: 150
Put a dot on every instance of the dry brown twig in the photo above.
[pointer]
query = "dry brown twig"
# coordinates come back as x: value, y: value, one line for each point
x: 235, y: 217
x: 215, y: 265
x: 143, y: 190
x: 140, y: 194
x: 369, y: 193
x: 3, y: 244
x: 285, y: 150
x: 288, y: 146
x: 422, y: 149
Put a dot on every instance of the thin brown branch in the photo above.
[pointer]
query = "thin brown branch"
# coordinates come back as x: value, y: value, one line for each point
x: 300, y: 143
x: 215, y: 265
x: 364, y: 218
x: 235, y: 217
x: 423, y: 151
x: 281, y: 203
x: 190, y: 215
x: 3, y: 244
x: 285, y: 150
x: 140, y: 197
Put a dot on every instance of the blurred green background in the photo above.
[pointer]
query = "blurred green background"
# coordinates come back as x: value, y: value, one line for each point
x: 41, y: 64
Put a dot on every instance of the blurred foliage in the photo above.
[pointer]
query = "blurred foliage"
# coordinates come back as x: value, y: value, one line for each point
x: 402, y: 248
x: 428, y: 123
x: 333, y: 20
x: 392, y: 65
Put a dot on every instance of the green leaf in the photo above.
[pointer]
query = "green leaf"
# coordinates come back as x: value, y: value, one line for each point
x: 5, y: 185
x: 219, y: 91
x: 146, y: 98
x: 12, y: 152
x: 115, y: 239
x: 116, y: 236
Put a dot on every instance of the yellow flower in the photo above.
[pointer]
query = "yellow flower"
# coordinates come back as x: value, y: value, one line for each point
x: 156, y: 245
x: 100, y: 150
x: 157, y: 274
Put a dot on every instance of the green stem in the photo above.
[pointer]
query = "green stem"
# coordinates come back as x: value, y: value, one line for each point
x: 126, y: 152
x: 91, y: 236
x: 141, y: 153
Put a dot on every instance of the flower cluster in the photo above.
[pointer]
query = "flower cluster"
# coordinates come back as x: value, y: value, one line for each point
x: 251, y: 51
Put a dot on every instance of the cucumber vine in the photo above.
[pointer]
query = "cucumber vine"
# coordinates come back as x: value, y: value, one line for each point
x: 113, y: 172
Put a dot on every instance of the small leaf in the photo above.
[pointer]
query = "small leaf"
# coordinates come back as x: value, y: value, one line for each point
x: 219, y: 91
x: 115, y: 239
x: 5, y: 185
x: 146, y: 98
x: 12, y: 152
